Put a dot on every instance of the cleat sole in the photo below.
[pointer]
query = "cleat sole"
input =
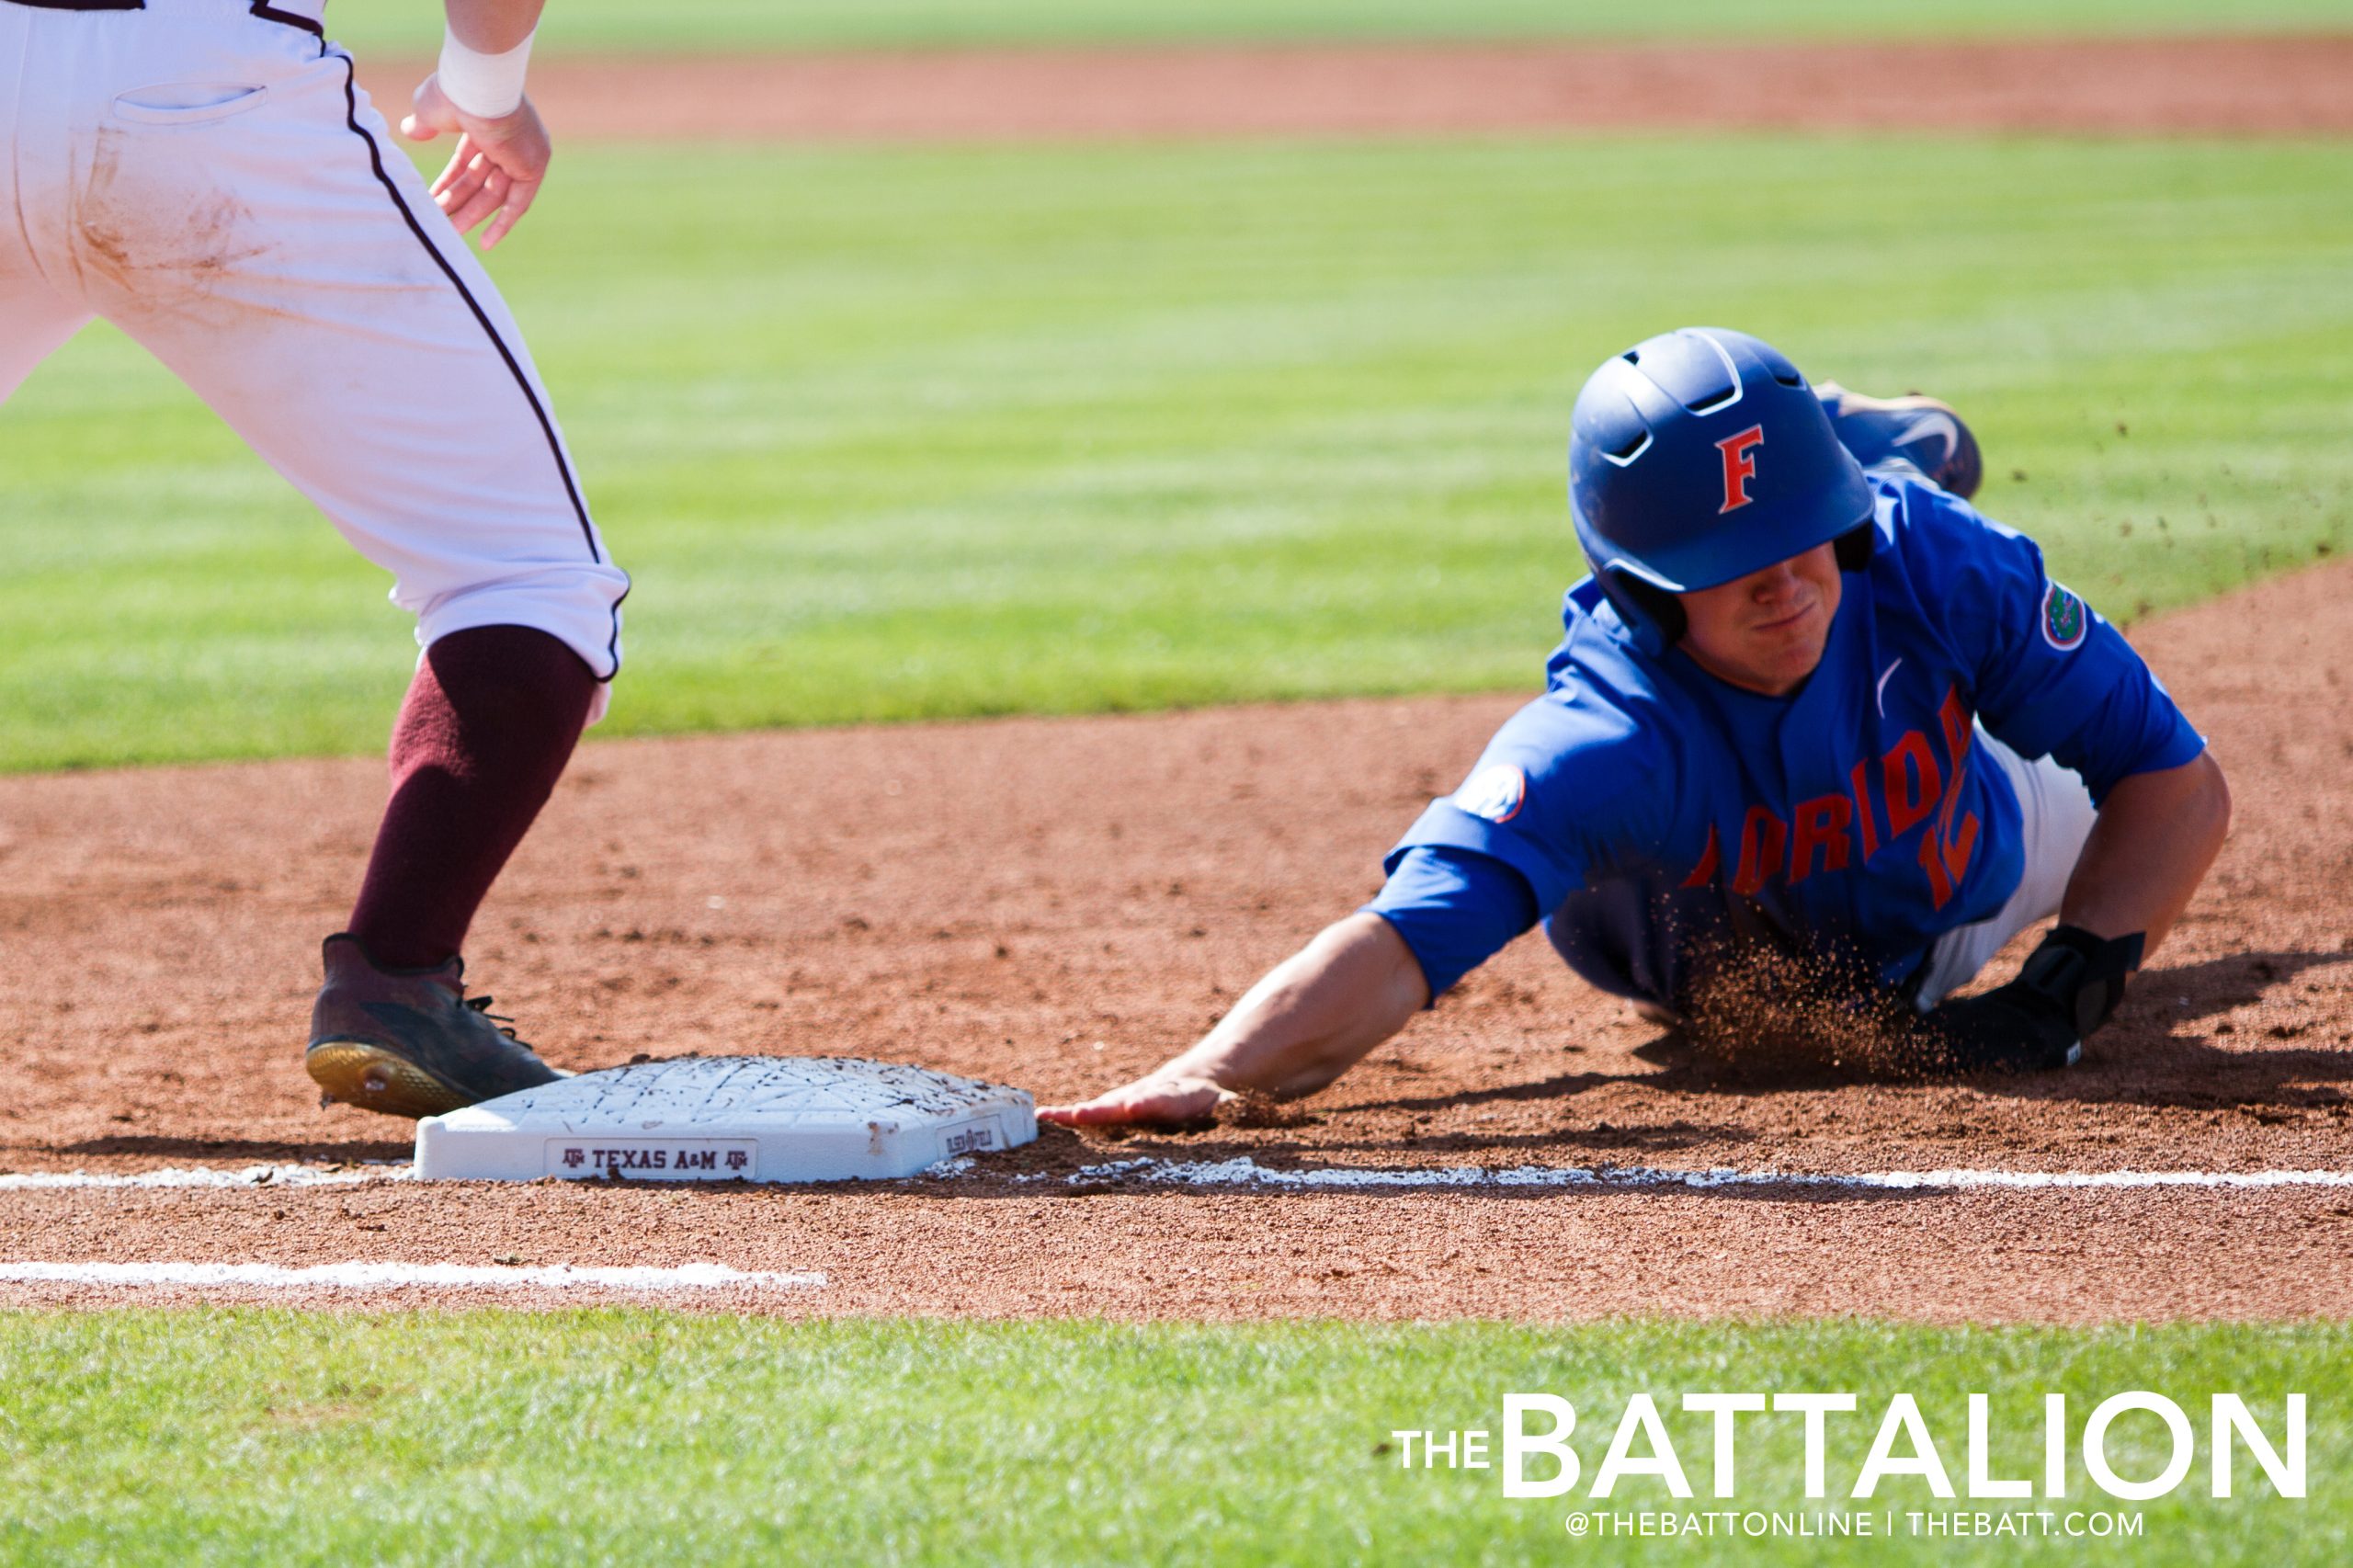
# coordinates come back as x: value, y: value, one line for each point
x: 372, y: 1078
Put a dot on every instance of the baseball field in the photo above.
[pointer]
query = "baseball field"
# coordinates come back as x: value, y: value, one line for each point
x: 1083, y: 497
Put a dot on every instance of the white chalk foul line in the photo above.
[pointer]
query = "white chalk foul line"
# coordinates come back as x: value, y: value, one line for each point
x: 1246, y: 1172
x: 407, y: 1276
x: 204, y: 1176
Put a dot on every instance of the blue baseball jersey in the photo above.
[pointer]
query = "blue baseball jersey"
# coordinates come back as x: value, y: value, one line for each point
x: 1641, y: 805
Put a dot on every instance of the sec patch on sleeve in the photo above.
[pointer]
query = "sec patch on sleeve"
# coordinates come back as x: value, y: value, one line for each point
x: 1495, y: 794
x: 2066, y: 621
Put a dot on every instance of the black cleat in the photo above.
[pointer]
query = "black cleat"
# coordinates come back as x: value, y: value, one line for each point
x: 410, y: 1042
x: 1918, y: 430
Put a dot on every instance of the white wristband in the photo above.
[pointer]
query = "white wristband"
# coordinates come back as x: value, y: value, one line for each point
x: 488, y: 87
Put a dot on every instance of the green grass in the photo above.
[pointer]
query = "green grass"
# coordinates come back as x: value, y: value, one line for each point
x: 206, y: 1436
x: 886, y: 434
x: 414, y: 26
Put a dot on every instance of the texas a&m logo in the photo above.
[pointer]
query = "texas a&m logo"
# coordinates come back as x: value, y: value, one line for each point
x: 1906, y: 787
x: 644, y: 1159
x: 1740, y: 466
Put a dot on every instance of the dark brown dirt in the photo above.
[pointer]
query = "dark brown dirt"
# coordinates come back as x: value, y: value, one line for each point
x: 1060, y: 903
x: 2106, y: 86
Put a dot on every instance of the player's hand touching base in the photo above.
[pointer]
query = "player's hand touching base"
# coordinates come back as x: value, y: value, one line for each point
x: 1160, y: 1099
x: 1314, y: 1017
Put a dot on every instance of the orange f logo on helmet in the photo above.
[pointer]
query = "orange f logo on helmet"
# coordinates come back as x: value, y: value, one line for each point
x: 1740, y: 467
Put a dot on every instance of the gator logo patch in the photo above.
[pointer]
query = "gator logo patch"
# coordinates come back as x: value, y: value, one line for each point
x: 1495, y: 794
x: 2066, y: 621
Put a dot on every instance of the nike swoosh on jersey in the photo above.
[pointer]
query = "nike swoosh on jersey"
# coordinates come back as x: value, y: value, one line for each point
x: 1885, y: 676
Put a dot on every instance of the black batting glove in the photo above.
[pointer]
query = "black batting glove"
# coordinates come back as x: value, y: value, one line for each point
x: 2068, y: 987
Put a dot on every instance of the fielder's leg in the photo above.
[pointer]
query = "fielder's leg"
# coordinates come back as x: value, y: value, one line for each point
x: 241, y: 210
x: 486, y: 729
x: 31, y: 329
x: 35, y: 317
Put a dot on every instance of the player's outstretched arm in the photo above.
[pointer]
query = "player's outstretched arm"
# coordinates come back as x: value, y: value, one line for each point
x: 477, y: 96
x: 1312, y: 1017
x: 2156, y: 834
x: 2156, y: 837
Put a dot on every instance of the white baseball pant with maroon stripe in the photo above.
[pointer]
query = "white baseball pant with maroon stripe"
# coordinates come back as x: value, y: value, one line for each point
x: 206, y: 175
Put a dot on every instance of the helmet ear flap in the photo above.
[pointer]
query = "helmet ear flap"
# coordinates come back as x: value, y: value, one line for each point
x: 1658, y: 612
x: 1855, y: 546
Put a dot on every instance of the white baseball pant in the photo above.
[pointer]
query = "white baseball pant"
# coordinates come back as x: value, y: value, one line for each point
x: 206, y: 175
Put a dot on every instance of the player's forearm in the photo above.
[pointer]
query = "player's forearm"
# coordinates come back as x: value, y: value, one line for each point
x: 493, y: 27
x: 2157, y: 836
x: 1315, y: 1015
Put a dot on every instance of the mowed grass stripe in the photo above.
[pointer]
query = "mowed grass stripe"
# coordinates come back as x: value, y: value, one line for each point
x: 889, y: 434
x: 146, y: 1436
x: 411, y: 25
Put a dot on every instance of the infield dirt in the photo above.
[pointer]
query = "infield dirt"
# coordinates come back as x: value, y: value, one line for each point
x: 1056, y: 903
x: 2106, y: 86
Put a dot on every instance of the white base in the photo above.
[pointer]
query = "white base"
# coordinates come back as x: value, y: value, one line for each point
x: 728, y: 1118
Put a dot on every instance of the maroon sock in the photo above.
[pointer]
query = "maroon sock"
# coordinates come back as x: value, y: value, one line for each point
x: 488, y: 724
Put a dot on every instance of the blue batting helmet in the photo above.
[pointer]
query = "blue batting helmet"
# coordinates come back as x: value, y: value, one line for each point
x: 1701, y: 456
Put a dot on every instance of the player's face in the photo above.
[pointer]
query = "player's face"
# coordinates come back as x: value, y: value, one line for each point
x: 1766, y: 631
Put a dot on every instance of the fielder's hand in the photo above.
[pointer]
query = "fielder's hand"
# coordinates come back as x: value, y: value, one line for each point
x: 496, y: 168
x: 1156, y: 1099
